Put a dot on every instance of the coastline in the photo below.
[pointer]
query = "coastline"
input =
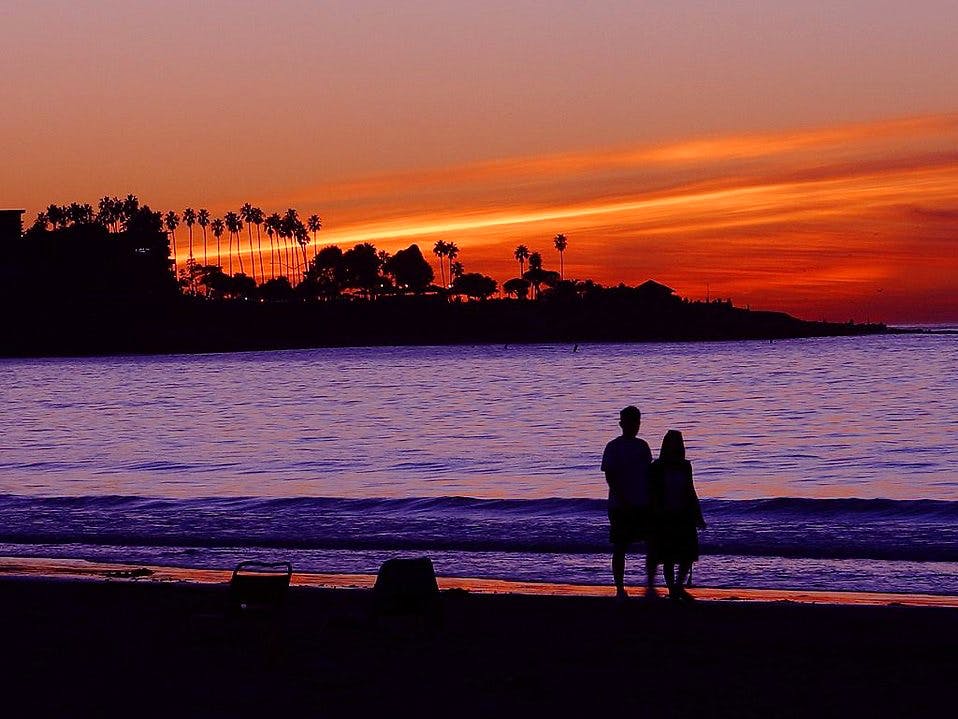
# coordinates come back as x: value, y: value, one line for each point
x: 190, y: 326
x: 43, y: 569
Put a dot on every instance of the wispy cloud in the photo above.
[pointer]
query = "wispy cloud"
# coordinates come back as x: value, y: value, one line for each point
x: 811, y: 220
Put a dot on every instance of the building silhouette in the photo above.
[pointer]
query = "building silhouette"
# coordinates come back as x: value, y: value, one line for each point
x: 11, y: 225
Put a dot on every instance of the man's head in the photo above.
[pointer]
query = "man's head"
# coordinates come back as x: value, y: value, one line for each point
x: 629, y: 420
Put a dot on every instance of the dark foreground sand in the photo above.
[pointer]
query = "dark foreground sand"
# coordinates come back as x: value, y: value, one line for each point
x: 79, y: 648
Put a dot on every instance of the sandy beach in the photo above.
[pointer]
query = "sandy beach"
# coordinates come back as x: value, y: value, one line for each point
x: 89, y: 647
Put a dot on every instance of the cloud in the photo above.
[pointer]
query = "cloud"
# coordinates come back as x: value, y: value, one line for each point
x: 810, y: 221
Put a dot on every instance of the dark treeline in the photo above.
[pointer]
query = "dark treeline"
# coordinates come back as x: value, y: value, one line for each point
x: 89, y: 281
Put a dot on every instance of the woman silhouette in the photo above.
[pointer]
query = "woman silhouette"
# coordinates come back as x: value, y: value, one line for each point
x: 678, y: 513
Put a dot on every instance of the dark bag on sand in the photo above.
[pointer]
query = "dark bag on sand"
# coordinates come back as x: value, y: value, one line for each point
x: 406, y: 586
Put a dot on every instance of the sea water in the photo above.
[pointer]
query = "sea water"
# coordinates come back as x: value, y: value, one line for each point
x: 825, y: 463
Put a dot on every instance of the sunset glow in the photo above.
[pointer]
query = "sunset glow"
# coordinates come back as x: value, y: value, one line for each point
x: 785, y: 158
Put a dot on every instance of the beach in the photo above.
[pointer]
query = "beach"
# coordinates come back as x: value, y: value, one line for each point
x: 146, y: 647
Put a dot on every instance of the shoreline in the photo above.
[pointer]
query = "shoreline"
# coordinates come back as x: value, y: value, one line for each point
x: 254, y: 348
x: 70, y: 570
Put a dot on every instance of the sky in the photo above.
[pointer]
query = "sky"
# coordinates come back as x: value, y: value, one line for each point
x: 794, y: 156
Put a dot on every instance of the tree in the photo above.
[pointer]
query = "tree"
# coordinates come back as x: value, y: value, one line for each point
x: 475, y: 286
x: 301, y: 235
x: 518, y: 287
x: 242, y: 285
x: 326, y: 275
x: 277, y: 289
x: 217, y: 283
x: 291, y: 225
x: 314, y: 224
x: 258, y: 221
x: 41, y: 223
x: 129, y: 206
x: 272, y: 223
x: 535, y: 274
x: 203, y: 220
x: 57, y: 216
x: 456, y: 270
x: 452, y: 252
x: 234, y: 225
x: 521, y: 254
x: 561, y: 243
x: 248, y: 213
x: 439, y: 250
x: 108, y: 213
x: 172, y: 221
x: 189, y: 219
x: 361, y: 269
x: 218, y: 227
x: 80, y: 214
x: 409, y: 269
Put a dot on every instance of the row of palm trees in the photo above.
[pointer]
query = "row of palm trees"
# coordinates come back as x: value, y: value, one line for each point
x: 288, y: 235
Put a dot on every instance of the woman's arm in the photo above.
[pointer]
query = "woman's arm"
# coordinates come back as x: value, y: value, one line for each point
x: 694, y: 501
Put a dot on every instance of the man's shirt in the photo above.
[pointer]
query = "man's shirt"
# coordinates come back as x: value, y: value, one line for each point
x: 626, y: 463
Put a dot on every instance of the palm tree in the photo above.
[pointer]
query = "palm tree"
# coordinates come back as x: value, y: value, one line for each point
x: 106, y: 213
x: 172, y: 221
x: 258, y: 221
x: 314, y: 225
x: 302, y: 237
x: 189, y: 219
x: 452, y: 252
x: 521, y: 254
x: 203, y: 220
x: 235, y: 225
x: 80, y: 214
x: 128, y: 207
x: 561, y: 243
x: 248, y: 212
x: 218, y: 227
x: 439, y: 250
x: 273, y: 223
x: 290, y: 226
x: 535, y: 273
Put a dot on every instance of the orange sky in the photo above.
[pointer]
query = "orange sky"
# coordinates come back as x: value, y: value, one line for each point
x: 800, y: 156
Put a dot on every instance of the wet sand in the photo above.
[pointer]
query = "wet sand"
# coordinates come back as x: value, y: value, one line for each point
x: 165, y: 648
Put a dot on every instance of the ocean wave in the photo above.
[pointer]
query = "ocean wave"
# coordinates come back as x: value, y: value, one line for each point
x: 903, y: 530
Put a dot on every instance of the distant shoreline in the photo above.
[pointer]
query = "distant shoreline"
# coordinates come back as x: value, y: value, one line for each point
x: 193, y: 326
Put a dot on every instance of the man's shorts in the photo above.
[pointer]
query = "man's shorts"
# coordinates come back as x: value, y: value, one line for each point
x: 630, y: 525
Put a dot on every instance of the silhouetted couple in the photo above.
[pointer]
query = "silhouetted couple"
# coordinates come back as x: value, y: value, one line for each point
x: 651, y: 502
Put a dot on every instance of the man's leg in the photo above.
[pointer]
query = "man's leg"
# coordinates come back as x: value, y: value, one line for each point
x: 618, y: 568
x: 651, y: 565
x: 684, y: 568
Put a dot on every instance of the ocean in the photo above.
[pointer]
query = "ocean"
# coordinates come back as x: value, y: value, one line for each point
x: 822, y: 463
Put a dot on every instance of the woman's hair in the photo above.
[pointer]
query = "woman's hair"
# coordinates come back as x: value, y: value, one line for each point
x: 673, y: 447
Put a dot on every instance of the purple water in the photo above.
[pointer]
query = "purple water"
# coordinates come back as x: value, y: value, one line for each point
x: 341, y: 458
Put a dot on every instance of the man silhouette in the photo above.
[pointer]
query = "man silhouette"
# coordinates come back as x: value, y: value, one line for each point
x: 626, y: 462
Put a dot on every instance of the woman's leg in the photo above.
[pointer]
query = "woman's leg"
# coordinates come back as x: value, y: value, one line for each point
x: 684, y: 567
x: 668, y: 569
